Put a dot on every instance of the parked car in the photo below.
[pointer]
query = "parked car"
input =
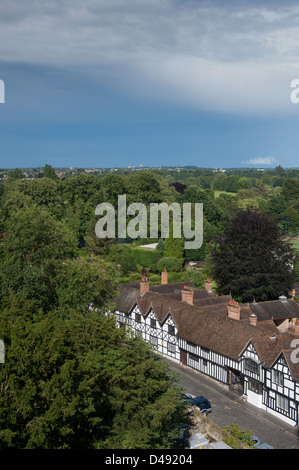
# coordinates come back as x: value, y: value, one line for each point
x: 202, y: 403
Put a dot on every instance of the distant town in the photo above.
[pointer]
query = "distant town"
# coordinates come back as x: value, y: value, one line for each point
x: 63, y: 172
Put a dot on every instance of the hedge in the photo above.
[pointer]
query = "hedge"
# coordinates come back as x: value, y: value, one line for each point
x: 144, y: 257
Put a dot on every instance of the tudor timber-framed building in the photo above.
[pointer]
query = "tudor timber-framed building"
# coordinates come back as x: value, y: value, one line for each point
x: 247, y: 347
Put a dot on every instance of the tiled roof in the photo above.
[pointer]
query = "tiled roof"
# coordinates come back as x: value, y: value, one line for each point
x: 275, y: 309
x: 269, y: 348
x: 206, y: 322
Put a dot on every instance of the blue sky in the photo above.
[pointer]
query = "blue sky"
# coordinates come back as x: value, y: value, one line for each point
x: 115, y: 83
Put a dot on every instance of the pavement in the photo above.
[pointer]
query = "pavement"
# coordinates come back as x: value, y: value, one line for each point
x: 229, y: 408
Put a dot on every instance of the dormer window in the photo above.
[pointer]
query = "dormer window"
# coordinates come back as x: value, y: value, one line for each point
x: 251, y: 365
x: 277, y: 377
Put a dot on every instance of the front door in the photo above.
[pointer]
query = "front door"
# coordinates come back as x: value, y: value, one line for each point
x: 236, y: 380
x: 184, y: 357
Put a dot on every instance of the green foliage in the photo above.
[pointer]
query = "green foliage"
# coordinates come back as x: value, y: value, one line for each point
x: 290, y: 189
x: 144, y: 257
x: 171, y: 263
x: 53, y: 393
x: 198, y: 277
x: 49, y: 172
x: 122, y: 255
x: 33, y: 236
x: 85, y: 282
x: 251, y: 259
x: 296, y: 267
x: 148, y: 408
x: 15, y: 174
x: 245, y: 435
x: 73, y: 380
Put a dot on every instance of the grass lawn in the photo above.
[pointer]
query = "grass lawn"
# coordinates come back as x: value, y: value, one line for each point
x: 296, y: 243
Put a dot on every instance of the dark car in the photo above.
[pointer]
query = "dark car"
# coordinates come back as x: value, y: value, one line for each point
x: 202, y: 403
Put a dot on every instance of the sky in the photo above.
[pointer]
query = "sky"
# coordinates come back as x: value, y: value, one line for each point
x: 118, y: 83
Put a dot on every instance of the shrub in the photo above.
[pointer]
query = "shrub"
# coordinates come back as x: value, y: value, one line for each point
x: 170, y: 263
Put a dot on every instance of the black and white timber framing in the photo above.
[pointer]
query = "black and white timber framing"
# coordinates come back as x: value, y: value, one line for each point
x: 254, y: 360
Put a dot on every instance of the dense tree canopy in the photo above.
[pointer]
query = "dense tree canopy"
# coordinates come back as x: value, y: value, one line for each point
x: 251, y: 259
x: 71, y: 379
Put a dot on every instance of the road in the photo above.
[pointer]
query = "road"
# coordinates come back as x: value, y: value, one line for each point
x: 228, y: 408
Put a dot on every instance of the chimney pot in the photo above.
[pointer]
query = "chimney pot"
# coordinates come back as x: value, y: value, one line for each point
x: 144, y: 285
x: 164, y: 277
x: 187, y: 295
x: 208, y: 285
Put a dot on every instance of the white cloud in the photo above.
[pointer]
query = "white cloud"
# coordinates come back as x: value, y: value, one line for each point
x: 261, y: 161
x: 209, y: 55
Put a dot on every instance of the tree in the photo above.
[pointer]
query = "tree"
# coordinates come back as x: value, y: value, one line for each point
x: 171, y: 263
x: 33, y: 236
x: 49, y: 172
x: 15, y: 174
x: 251, y: 258
x: 290, y: 189
x: 54, y: 393
x: 151, y: 416
x: 72, y: 380
x: 85, y: 282
x: 32, y: 254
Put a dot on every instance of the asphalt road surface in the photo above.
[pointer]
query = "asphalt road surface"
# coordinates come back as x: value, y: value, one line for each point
x: 229, y: 408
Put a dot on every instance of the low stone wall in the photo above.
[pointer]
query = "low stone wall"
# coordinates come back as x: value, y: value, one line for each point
x: 203, y: 425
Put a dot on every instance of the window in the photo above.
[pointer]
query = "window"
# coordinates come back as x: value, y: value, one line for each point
x: 138, y: 333
x: 191, y: 347
x: 171, y: 347
x: 204, y: 362
x: 277, y: 377
x: 171, y: 330
x: 154, y: 340
x: 193, y: 357
x: 138, y: 317
x: 282, y: 402
x: 255, y: 387
x: 252, y: 366
x: 205, y: 353
x: 153, y: 323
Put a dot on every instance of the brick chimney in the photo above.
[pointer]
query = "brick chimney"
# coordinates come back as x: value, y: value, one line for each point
x: 208, y: 285
x: 187, y: 295
x: 164, y: 277
x: 144, y: 285
x: 234, y: 310
x: 253, y: 319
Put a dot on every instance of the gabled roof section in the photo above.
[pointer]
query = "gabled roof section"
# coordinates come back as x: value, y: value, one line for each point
x: 126, y: 299
x: 275, y: 309
x: 207, y: 324
x: 292, y: 362
x: 270, y: 347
